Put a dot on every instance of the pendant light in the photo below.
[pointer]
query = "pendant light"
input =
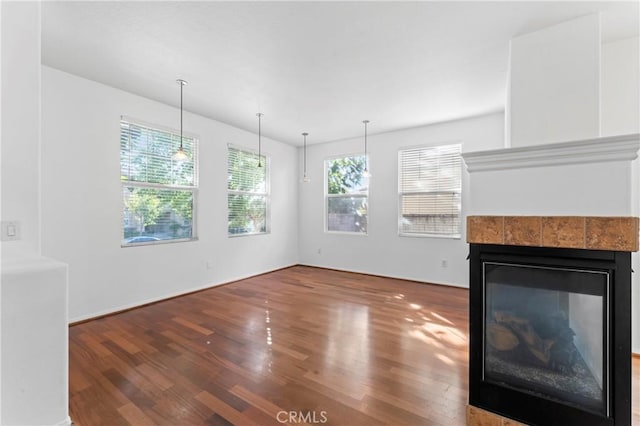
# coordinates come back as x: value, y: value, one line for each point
x: 305, y: 178
x: 365, y: 172
x: 180, y: 154
x: 259, y: 115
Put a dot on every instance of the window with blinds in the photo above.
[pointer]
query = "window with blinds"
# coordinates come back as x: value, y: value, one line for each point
x: 347, y: 195
x: 158, y: 193
x: 429, y: 180
x: 248, y: 193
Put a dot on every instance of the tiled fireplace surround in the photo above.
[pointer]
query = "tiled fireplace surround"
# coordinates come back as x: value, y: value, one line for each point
x: 575, y: 232
x: 581, y: 232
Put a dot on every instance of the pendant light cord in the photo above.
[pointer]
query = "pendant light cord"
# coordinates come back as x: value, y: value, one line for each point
x: 305, y: 153
x: 366, y: 159
x: 180, y: 155
x: 259, y: 138
x: 181, y: 87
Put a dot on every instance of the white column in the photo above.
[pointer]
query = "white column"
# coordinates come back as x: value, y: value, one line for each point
x: 20, y: 163
x: 33, y: 299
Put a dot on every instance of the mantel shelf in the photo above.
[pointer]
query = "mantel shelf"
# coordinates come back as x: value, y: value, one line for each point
x: 598, y: 150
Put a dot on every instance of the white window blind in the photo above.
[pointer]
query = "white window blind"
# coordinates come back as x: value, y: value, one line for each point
x: 430, y: 190
x: 158, y: 193
x: 347, y: 195
x: 248, y: 192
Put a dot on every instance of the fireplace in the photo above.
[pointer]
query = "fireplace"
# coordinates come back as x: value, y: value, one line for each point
x: 550, y: 335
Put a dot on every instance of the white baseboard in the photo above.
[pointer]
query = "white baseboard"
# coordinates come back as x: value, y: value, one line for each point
x: 65, y: 422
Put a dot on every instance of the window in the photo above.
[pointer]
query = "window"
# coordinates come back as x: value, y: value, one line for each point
x: 248, y: 193
x: 158, y: 193
x: 347, y: 195
x: 429, y: 190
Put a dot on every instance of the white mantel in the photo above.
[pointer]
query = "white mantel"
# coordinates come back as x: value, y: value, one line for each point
x: 597, y: 150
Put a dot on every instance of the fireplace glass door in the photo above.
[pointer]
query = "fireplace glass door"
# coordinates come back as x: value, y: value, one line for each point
x: 545, y: 333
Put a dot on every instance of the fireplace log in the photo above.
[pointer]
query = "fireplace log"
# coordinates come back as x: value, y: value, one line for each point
x: 501, y: 337
x: 538, y: 347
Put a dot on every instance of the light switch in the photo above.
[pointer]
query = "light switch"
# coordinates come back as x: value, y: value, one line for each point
x: 10, y: 230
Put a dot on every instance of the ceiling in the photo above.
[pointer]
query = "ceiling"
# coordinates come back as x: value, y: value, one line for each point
x: 319, y: 67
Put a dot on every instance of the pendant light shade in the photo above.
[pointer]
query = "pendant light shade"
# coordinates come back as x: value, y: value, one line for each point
x: 365, y: 172
x: 180, y: 154
x: 259, y: 115
x: 305, y: 178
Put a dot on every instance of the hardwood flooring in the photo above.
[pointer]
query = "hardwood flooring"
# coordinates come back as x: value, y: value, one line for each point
x: 300, y: 345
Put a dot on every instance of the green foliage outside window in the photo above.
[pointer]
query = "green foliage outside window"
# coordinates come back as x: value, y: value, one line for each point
x: 158, y: 191
x: 247, y: 198
x: 344, y: 175
x: 347, y: 194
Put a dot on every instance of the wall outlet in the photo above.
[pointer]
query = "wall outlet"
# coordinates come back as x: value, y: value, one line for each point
x: 209, y: 264
x: 444, y: 263
x: 319, y: 251
x: 10, y: 230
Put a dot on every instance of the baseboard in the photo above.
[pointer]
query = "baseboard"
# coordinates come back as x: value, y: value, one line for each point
x: 151, y: 301
x: 355, y: 271
x: 65, y: 422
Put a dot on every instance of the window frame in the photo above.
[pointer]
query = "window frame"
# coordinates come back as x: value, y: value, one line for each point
x: 194, y: 189
x: 356, y: 195
x: 451, y: 236
x: 266, y: 194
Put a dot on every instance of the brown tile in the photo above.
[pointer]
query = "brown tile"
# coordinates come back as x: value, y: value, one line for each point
x: 563, y: 231
x: 509, y: 422
x: 612, y: 233
x: 522, y: 230
x: 485, y: 229
x: 478, y: 417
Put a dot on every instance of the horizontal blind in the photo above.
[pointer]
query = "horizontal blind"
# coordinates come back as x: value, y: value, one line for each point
x: 146, y: 156
x: 243, y: 172
x: 430, y: 190
x: 248, y: 192
x: 158, y: 192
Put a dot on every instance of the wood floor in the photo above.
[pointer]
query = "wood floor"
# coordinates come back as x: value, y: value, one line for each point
x: 300, y: 345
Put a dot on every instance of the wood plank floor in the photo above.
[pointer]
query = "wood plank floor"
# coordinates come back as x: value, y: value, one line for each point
x: 300, y: 345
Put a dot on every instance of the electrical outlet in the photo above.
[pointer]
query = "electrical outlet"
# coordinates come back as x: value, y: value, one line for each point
x: 444, y: 263
x: 209, y: 264
x: 319, y: 251
x: 10, y: 230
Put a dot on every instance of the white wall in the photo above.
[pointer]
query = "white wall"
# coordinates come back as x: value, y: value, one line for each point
x: 620, y: 76
x: 620, y: 114
x: 554, y: 84
x: 383, y: 251
x: 81, y: 201
x: 21, y: 124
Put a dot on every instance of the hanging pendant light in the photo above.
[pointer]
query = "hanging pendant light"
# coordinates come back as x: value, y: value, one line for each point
x: 305, y: 178
x: 365, y: 172
x: 180, y: 154
x: 259, y: 115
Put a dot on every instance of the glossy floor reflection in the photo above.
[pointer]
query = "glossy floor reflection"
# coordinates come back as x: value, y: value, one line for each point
x: 297, y: 345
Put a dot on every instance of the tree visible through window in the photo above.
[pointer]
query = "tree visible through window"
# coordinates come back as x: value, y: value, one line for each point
x: 429, y: 184
x: 248, y: 193
x: 347, y: 194
x: 158, y: 193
